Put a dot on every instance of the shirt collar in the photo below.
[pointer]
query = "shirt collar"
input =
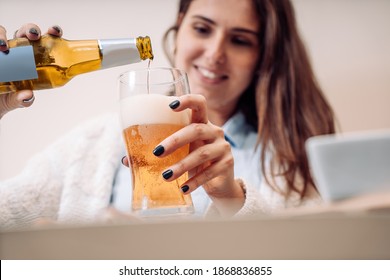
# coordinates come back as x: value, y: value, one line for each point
x: 236, y: 130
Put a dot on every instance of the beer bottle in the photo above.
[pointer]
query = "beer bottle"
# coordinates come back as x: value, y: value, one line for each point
x: 53, y: 61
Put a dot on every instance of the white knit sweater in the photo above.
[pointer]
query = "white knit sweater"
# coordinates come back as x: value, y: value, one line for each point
x: 72, y: 179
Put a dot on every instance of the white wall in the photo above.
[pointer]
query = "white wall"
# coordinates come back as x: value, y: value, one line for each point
x: 25, y: 132
x: 348, y: 40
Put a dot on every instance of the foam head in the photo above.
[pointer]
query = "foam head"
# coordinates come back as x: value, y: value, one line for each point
x: 151, y: 109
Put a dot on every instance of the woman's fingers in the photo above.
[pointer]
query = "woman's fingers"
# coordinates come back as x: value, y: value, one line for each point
x: 195, y: 102
x: 33, y: 32
x: 125, y: 161
x: 55, y: 30
x: 3, y: 39
x: 218, y: 173
x: 205, y: 164
x: 20, y: 99
x: 210, y: 154
x: 25, y: 98
x: 188, y: 134
x: 29, y: 30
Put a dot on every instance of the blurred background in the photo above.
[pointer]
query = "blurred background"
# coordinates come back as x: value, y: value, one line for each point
x: 348, y: 42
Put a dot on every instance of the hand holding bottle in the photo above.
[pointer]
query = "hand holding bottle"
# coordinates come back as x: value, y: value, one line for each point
x: 52, y: 61
x: 23, y: 98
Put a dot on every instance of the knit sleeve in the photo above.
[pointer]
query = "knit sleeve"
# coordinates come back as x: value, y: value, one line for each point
x: 34, y: 194
x: 267, y: 200
x: 254, y: 204
x: 70, y: 181
x: 264, y: 200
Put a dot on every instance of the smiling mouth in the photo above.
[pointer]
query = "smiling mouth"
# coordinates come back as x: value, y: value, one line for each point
x: 211, y: 75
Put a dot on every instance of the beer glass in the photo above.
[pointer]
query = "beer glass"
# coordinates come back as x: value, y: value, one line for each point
x: 147, y: 119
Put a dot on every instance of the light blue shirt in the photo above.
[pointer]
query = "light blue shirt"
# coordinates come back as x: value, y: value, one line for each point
x: 242, y: 138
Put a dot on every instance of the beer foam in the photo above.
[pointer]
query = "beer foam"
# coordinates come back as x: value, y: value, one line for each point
x: 151, y: 109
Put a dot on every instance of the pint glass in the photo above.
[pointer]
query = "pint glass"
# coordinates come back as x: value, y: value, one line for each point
x: 147, y: 119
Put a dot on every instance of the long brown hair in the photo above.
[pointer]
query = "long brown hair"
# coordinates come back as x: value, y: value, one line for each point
x: 284, y: 102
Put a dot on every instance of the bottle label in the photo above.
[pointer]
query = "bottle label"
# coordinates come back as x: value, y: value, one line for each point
x: 18, y: 65
x: 117, y: 52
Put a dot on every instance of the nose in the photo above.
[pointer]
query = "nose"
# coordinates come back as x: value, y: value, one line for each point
x: 216, y: 52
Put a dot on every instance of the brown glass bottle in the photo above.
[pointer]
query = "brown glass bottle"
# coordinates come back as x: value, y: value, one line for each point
x: 58, y: 60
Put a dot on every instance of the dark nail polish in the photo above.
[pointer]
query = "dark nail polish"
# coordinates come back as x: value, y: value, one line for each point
x: 174, y: 104
x: 33, y: 31
x: 56, y: 28
x: 6, y: 52
x: 2, y: 43
x: 185, y: 188
x: 167, y: 174
x: 158, y: 151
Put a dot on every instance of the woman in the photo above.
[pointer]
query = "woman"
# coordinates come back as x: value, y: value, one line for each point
x: 255, y: 102
x: 246, y: 58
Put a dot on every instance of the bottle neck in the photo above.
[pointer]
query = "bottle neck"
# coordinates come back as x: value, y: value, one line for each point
x: 117, y: 52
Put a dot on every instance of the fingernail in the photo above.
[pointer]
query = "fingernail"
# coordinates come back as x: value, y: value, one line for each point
x: 158, y: 151
x: 56, y: 28
x: 31, y: 99
x: 167, y: 174
x: 174, y: 104
x: 185, y: 188
x: 33, y: 31
x: 4, y: 44
x: 123, y: 160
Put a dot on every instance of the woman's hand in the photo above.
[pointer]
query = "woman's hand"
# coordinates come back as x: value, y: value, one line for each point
x: 210, y: 162
x: 23, y: 98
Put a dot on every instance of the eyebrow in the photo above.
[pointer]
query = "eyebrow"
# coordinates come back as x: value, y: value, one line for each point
x: 238, y: 29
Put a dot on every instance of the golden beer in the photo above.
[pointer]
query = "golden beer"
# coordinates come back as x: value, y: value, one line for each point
x: 143, y: 131
x: 149, y: 188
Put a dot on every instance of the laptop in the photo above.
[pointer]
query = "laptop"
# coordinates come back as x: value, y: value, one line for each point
x: 350, y: 164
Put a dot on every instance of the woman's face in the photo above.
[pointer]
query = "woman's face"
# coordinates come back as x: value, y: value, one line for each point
x: 217, y: 45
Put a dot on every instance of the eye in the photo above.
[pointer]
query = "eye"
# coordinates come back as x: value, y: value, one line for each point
x: 201, y: 29
x: 241, y: 41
